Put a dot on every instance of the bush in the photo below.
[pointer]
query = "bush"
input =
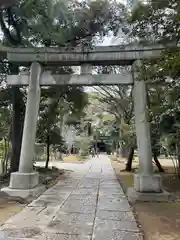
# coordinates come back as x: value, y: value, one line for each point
x: 5, y: 153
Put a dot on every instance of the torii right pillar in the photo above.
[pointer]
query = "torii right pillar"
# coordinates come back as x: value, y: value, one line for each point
x: 147, y: 185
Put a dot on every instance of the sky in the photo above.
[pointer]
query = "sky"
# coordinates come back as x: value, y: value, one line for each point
x: 108, y: 39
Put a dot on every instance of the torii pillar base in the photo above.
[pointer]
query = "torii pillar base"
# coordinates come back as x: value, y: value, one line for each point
x: 163, y: 196
x: 24, y: 180
x: 27, y: 194
x: 148, y: 188
x: 24, y: 185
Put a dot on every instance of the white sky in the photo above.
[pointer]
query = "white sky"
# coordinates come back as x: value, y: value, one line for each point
x: 108, y: 39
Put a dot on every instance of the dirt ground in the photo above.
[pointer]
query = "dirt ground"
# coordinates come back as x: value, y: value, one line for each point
x: 10, y: 206
x: 159, y: 221
x: 73, y: 159
x: 8, y: 209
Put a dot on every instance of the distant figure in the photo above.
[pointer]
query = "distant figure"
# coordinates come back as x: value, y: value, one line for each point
x: 72, y: 149
x: 93, y: 152
x: 97, y: 152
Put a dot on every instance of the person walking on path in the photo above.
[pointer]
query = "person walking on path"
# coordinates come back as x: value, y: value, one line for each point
x: 93, y: 152
x: 97, y: 152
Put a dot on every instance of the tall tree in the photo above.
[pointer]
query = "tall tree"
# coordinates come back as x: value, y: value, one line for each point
x: 117, y: 100
x: 55, y: 103
x: 54, y: 23
x: 158, y: 22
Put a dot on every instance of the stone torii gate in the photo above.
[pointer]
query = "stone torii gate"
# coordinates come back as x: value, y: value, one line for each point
x: 25, y: 182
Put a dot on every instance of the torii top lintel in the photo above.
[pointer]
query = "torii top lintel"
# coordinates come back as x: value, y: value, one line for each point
x: 101, y: 55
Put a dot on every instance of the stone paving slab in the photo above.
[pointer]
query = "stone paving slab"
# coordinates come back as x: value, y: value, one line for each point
x: 50, y: 191
x: 47, y: 200
x: 71, y: 223
x: 108, y: 181
x: 123, y: 207
x: 89, y: 185
x: 40, y: 219
x: 113, y: 203
x: 25, y: 213
x: 110, y: 187
x: 115, y: 215
x: 116, y: 230
x: 22, y: 233
x: 108, y: 176
x: 25, y: 218
x: 103, y: 195
x: 116, y: 198
x: 56, y: 193
x: 92, y: 175
x: 17, y: 238
x: 76, y: 207
x: 110, y: 225
x: 64, y: 188
x: 64, y: 237
x: 46, y: 215
x: 89, y: 204
x: 84, y: 199
x: 109, y: 191
x: 110, y: 184
x: 86, y: 191
x: 116, y: 235
x: 90, y: 181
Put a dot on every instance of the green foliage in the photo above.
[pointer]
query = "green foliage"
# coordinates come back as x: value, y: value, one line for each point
x: 154, y: 23
x: 83, y: 143
x: 1, y: 149
x: 128, y: 135
x: 5, y: 116
x: 5, y: 152
x: 117, y: 101
x: 158, y: 22
x: 66, y: 22
x: 56, y: 23
x: 66, y: 100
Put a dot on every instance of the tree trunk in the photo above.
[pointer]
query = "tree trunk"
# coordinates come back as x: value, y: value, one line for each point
x: 178, y: 157
x: 48, y: 151
x: 5, y: 160
x: 160, y: 168
x: 129, y: 161
x: 17, y: 127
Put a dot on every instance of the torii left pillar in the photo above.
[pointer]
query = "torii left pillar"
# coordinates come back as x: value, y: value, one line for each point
x: 25, y: 182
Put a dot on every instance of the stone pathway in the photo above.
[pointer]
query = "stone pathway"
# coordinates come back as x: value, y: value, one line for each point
x: 87, y: 205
